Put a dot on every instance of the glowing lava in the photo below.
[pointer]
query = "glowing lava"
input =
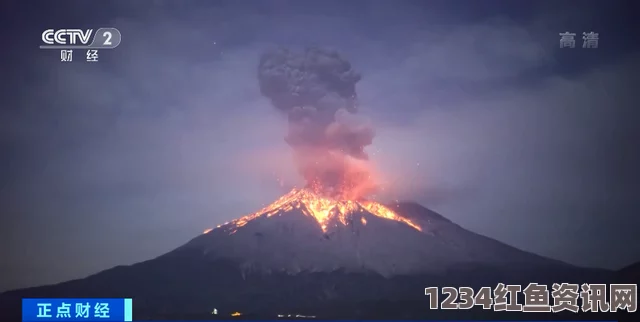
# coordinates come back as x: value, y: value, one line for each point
x: 322, y: 209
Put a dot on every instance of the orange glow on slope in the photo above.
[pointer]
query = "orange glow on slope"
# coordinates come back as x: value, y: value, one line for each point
x: 322, y: 209
x: 207, y: 231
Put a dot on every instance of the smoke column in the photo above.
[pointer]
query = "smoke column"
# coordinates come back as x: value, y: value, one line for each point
x: 316, y: 88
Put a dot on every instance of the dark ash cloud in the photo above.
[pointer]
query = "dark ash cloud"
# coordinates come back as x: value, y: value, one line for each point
x: 316, y: 88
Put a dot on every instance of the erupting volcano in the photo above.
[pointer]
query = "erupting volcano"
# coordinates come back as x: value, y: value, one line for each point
x: 316, y: 88
x: 330, y: 224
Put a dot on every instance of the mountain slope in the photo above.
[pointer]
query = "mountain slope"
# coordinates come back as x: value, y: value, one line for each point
x: 288, y: 261
x: 289, y: 241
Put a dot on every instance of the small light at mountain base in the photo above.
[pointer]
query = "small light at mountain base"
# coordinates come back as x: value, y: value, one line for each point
x: 236, y: 314
x: 297, y: 316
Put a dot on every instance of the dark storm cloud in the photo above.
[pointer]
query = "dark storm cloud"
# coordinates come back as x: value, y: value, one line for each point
x: 140, y: 152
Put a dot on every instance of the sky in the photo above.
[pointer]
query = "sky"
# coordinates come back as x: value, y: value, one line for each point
x: 479, y: 115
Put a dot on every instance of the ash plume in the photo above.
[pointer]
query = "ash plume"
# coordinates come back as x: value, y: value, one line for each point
x: 317, y: 90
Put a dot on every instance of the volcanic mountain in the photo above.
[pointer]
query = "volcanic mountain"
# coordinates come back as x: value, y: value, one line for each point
x: 304, y: 232
x: 307, y: 254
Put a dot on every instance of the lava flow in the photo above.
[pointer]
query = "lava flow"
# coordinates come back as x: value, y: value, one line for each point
x: 322, y: 209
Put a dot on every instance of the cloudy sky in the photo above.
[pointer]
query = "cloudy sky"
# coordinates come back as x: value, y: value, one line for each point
x: 479, y: 115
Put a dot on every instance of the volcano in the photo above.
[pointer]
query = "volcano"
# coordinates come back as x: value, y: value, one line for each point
x: 312, y: 255
x: 305, y: 232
